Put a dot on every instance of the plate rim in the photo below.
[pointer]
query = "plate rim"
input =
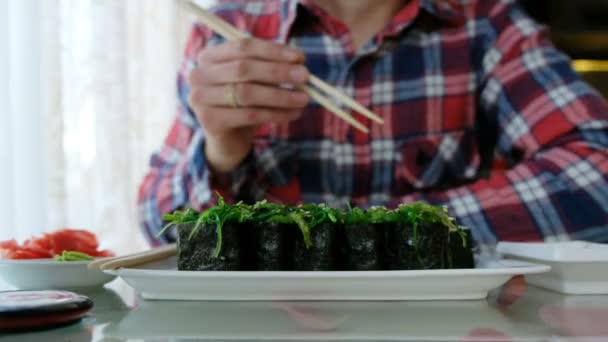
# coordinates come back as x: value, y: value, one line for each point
x: 518, y: 267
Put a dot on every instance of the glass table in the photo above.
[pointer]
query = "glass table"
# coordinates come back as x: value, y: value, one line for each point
x: 537, y: 315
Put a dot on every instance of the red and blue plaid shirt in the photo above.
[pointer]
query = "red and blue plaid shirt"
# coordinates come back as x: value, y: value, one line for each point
x: 482, y: 114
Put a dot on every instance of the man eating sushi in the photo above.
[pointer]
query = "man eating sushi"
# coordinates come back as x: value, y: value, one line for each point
x: 481, y: 114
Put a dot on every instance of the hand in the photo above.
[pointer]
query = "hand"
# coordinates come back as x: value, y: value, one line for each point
x: 509, y: 293
x: 235, y: 88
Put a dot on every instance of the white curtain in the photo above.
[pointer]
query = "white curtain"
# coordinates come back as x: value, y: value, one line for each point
x: 96, y: 102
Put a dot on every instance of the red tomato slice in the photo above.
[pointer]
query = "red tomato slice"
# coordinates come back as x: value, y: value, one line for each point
x: 6, y: 247
x: 39, y: 245
x: 83, y: 236
x: 9, y: 244
x: 73, y: 241
x: 24, y: 254
x: 54, y: 243
x: 40, y: 252
x: 41, y: 242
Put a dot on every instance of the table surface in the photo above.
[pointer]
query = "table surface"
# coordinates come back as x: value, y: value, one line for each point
x: 539, y: 315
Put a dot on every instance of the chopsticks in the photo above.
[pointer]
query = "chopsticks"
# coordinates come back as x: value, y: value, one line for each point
x: 135, y: 259
x: 229, y: 32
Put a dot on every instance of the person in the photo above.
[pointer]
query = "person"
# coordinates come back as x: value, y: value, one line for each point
x: 481, y: 114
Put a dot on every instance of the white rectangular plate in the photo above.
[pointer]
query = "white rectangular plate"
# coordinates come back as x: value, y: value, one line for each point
x: 577, y: 267
x: 162, y: 281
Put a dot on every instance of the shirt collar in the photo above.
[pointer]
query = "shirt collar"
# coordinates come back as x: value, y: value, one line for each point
x: 447, y: 11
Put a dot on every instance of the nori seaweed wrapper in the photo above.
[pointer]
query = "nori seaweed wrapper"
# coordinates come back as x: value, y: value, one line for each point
x: 425, y: 249
x: 365, y: 246
x: 273, y: 246
x: 273, y: 237
x: 462, y: 254
x: 197, y: 253
x: 322, y: 253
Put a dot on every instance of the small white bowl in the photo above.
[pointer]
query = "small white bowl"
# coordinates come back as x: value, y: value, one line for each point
x: 39, y: 274
x: 577, y: 267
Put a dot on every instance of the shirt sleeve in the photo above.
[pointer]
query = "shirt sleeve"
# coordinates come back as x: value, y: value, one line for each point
x: 554, y: 125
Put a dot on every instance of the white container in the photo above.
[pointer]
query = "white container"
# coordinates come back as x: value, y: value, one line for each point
x: 577, y: 267
x: 48, y: 274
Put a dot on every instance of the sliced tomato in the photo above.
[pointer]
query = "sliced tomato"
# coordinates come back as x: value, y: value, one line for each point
x: 54, y: 243
x: 40, y: 252
x: 24, y: 254
x: 41, y: 242
x: 62, y: 242
x: 38, y: 245
x: 73, y: 240
x: 9, y: 244
x: 6, y: 247
x: 83, y: 236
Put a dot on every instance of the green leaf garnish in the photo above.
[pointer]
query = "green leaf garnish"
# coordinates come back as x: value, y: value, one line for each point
x: 304, y: 227
x: 73, y: 256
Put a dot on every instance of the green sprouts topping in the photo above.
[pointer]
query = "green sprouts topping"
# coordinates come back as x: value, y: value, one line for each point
x: 355, y: 216
x: 309, y: 216
x: 381, y: 215
x: 418, y: 213
x: 218, y: 215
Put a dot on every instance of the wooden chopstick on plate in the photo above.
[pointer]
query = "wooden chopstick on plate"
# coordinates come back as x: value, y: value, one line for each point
x: 135, y: 259
x: 229, y: 32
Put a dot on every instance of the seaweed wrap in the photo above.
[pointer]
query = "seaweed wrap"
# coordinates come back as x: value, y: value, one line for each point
x: 365, y: 238
x: 461, y: 249
x: 197, y: 251
x: 273, y: 237
x: 213, y: 240
x: 273, y: 241
x: 316, y: 247
x: 420, y: 238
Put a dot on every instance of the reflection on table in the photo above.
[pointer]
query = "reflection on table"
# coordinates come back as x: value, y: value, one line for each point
x: 121, y: 315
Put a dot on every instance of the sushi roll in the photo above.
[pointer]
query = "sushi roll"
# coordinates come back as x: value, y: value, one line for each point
x: 273, y: 237
x: 273, y: 240
x: 316, y: 248
x: 216, y: 241
x: 197, y: 248
x: 365, y: 237
x: 420, y: 238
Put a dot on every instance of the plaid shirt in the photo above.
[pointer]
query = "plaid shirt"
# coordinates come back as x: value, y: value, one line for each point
x: 482, y: 114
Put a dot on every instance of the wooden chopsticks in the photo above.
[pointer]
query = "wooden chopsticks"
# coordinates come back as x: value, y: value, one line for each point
x: 229, y: 32
x: 135, y: 259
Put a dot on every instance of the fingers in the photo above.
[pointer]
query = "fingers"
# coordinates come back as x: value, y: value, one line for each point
x: 250, y: 95
x: 222, y: 119
x: 251, y: 49
x: 511, y: 292
x: 241, y: 71
x: 256, y: 69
